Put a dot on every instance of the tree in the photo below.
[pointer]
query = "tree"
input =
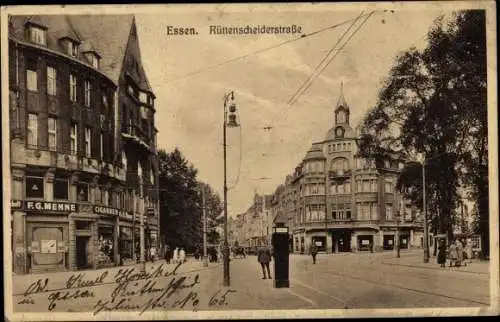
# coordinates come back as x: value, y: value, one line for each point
x: 213, y: 208
x: 179, y: 211
x: 434, y: 103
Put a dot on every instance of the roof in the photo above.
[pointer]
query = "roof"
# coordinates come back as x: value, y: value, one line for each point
x: 315, y: 152
x: 341, y: 101
x: 108, y: 35
x: 348, y: 134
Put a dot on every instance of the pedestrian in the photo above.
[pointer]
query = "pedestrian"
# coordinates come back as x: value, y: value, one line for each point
x: 468, y: 250
x: 182, y: 255
x: 264, y: 258
x: 442, y: 253
x: 314, y: 252
x: 460, y: 253
x: 452, y: 254
x: 175, y: 257
x: 152, y: 254
x: 167, y: 253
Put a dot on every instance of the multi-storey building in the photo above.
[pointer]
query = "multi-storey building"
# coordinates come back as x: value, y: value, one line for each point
x: 340, y: 202
x: 82, y: 142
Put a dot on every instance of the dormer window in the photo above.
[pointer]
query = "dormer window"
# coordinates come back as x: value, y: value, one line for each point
x: 93, y: 59
x: 73, y: 48
x: 37, y: 35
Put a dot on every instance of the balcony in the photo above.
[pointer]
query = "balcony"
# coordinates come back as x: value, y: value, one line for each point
x: 133, y: 133
x: 339, y: 173
x: 345, y: 221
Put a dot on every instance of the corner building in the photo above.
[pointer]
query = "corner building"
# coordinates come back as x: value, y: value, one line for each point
x: 342, y: 203
x: 82, y: 141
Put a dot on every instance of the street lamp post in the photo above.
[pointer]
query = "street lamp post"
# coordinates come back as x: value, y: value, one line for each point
x: 229, y: 97
x: 205, y: 263
x: 398, y: 253
x: 426, y: 226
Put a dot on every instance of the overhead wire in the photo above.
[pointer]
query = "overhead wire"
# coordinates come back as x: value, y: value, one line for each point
x: 324, y: 58
x: 290, y: 105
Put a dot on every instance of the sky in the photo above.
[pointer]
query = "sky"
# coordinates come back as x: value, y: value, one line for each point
x: 190, y: 109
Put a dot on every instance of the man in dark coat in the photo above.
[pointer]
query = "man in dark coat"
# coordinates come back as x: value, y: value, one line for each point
x: 264, y: 258
x: 314, y: 252
x: 442, y: 253
x: 168, y: 253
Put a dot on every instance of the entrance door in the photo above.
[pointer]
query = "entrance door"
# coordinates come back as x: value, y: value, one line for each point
x: 82, y: 243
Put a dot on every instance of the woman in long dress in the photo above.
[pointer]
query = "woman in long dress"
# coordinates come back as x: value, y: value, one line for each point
x: 175, y: 258
x: 453, y: 254
x: 460, y: 252
x: 468, y: 250
x: 182, y: 255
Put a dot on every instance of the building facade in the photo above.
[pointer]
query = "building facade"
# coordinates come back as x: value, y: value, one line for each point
x: 253, y: 228
x: 82, y: 141
x: 342, y: 203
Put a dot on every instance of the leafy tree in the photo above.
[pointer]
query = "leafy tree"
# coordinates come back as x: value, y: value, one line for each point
x: 213, y: 208
x: 179, y: 212
x: 181, y: 204
x: 434, y: 104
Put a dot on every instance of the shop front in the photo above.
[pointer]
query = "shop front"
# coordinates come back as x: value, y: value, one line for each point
x: 126, y: 246
x: 319, y: 242
x: 388, y: 242
x: 107, y: 236
x: 47, y: 235
x: 341, y: 240
x: 365, y: 242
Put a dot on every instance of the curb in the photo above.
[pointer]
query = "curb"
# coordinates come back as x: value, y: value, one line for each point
x: 434, y: 268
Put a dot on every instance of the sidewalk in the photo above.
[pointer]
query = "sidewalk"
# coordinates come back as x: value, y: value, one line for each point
x: 57, y: 279
x: 416, y: 260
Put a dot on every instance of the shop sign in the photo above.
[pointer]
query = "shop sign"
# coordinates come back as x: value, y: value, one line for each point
x: 365, y: 242
x: 51, y: 206
x: 109, y: 211
x: 48, y: 246
x: 16, y: 204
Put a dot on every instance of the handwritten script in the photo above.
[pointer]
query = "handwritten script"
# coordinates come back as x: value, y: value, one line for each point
x: 126, y: 289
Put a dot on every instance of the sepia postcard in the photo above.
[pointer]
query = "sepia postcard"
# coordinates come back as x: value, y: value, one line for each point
x: 230, y: 161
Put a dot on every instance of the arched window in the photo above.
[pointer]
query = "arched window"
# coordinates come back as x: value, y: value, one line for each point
x: 340, y: 117
x: 339, y: 165
x: 339, y: 132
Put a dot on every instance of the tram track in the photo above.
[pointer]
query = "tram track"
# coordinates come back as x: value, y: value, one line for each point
x: 396, y: 286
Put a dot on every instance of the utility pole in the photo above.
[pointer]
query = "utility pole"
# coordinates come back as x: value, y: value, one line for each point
x: 205, y: 263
